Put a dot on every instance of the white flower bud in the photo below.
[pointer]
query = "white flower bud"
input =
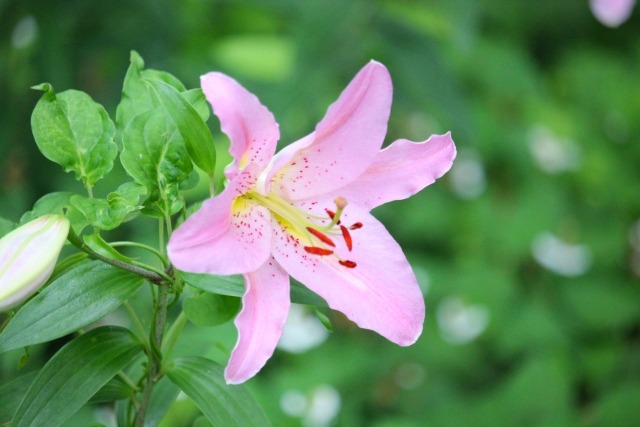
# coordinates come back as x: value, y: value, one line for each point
x: 28, y: 255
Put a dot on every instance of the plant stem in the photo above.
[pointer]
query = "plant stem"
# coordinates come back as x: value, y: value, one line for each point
x: 151, y: 276
x: 172, y: 335
x: 135, y: 319
x: 142, y: 246
x: 154, y: 355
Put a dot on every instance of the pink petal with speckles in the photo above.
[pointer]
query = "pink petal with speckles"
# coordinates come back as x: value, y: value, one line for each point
x: 250, y: 126
x: 380, y: 293
x: 226, y: 236
x: 265, y: 306
x: 401, y: 170
x: 343, y: 144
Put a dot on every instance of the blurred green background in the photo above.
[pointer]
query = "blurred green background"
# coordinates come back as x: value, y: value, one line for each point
x: 528, y: 250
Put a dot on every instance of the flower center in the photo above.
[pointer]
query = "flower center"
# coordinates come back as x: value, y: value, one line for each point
x: 316, y: 231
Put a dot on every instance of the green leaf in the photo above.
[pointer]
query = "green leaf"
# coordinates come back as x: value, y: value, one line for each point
x: 107, y: 214
x: 57, y: 203
x: 72, y: 301
x: 155, y: 156
x: 234, y: 286
x: 162, y: 397
x: 202, y: 380
x: 194, y: 131
x: 223, y: 285
x: 12, y: 394
x: 198, y: 101
x: 208, y: 309
x: 5, y: 226
x: 98, y: 244
x: 115, y: 389
x: 74, y: 131
x: 300, y: 294
x: 137, y: 98
x: 74, y: 374
x: 326, y: 322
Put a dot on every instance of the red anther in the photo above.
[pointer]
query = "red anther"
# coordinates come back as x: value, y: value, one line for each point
x: 318, y: 251
x: 332, y: 215
x: 321, y: 236
x: 347, y: 237
x: 347, y: 263
x: 355, y: 226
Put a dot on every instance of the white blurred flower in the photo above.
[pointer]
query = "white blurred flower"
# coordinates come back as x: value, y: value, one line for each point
x: 302, y: 332
x: 294, y: 403
x: 24, y: 33
x: 28, y: 255
x: 318, y: 409
x: 612, y: 13
x: 467, y: 176
x: 553, y: 154
x: 323, y: 408
x: 460, y: 323
x: 562, y: 258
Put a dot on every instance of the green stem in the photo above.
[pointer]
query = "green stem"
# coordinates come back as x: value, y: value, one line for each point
x: 142, y: 246
x: 135, y: 319
x: 172, y: 335
x: 145, y: 272
x: 154, y: 355
x: 127, y: 380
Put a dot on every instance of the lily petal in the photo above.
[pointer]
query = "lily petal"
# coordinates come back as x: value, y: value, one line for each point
x: 343, y: 144
x: 401, y: 170
x: 380, y: 293
x: 265, y: 306
x: 228, y: 235
x: 250, y: 126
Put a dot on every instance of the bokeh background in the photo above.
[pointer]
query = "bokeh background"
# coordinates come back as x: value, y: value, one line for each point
x: 528, y: 250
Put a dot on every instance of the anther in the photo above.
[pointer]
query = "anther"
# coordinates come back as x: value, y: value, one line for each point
x: 318, y: 251
x: 332, y: 215
x: 323, y: 237
x: 347, y: 237
x: 355, y: 226
x: 347, y: 263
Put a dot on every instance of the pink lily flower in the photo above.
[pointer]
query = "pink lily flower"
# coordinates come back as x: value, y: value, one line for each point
x: 304, y: 212
x: 612, y: 13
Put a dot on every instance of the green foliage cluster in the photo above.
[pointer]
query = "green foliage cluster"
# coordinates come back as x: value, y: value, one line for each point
x: 543, y: 104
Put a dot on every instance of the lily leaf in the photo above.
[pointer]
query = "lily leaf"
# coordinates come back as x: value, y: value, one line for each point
x: 155, y: 156
x: 74, y: 374
x: 202, y: 380
x: 74, y: 131
x: 74, y: 300
x: 234, y: 286
x: 193, y: 129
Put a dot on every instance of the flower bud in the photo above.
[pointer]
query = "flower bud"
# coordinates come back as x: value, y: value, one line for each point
x: 28, y: 255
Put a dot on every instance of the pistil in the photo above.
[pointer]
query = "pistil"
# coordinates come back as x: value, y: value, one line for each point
x: 300, y: 224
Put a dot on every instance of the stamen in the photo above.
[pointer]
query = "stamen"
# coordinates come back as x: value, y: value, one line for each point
x: 318, y: 251
x: 340, y: 202
x: 321, y: 236
x: 347, y: 263
x: 356, y: 226
x: 347, y: 237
